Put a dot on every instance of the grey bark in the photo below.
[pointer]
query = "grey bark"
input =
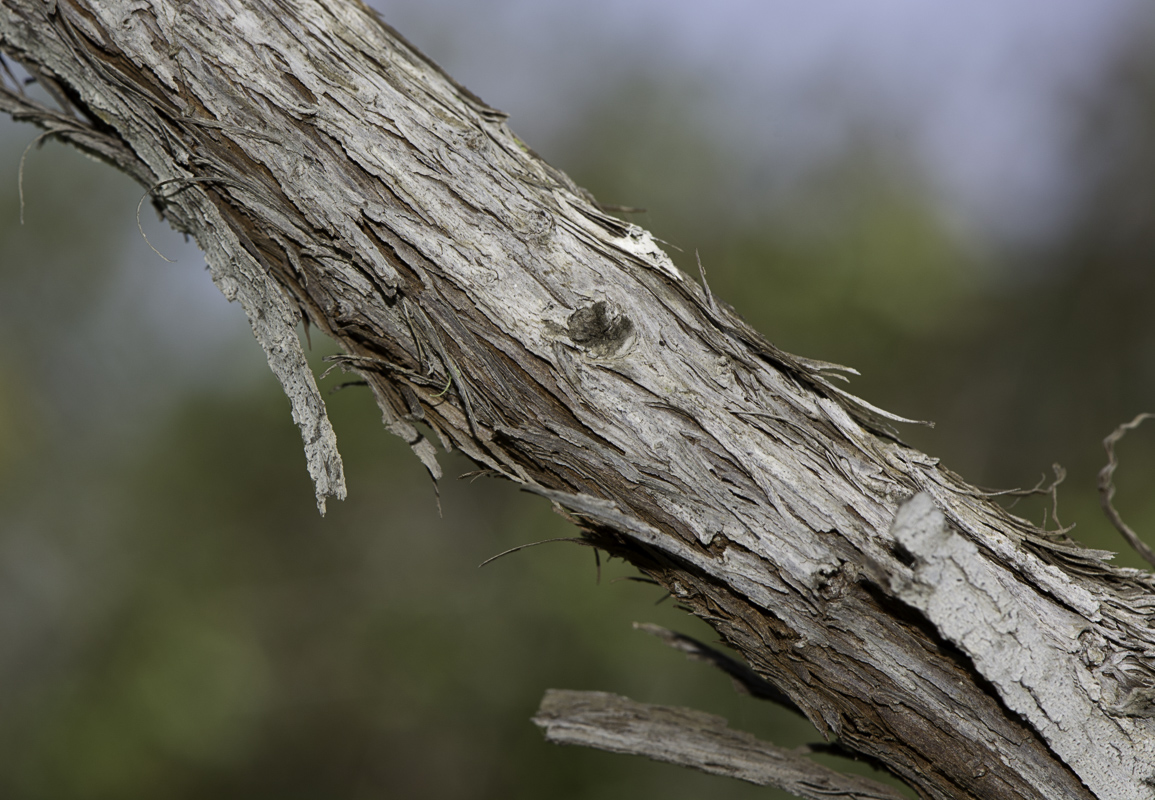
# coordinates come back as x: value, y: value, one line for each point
x: 330, y: 172
x: 693, y: 739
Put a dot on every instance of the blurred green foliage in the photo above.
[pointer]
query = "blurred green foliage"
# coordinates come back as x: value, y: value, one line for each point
x: 176, y: 621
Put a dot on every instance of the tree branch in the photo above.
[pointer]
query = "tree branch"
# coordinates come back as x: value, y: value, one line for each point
x: 692, y: 739
x: 331, y: 172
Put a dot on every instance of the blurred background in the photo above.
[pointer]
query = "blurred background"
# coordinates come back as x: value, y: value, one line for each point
x: 958, y: 199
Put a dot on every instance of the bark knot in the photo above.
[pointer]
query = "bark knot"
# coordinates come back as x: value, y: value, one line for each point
x: 600, y: 329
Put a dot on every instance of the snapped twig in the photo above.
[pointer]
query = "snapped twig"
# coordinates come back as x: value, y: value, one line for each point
x: 693, y: 739
x: 1038, y: 488
x: 1107, y: 488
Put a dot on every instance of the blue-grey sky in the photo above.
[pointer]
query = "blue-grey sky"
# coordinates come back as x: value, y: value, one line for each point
x: 979, y: 88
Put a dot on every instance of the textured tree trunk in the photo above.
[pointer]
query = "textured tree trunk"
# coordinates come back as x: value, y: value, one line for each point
x: 330, y: 172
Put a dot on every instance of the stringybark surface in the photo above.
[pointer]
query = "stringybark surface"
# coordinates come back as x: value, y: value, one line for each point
x: 329, y: 171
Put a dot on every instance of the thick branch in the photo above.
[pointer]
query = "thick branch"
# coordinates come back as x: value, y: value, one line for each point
x: 329, y: 170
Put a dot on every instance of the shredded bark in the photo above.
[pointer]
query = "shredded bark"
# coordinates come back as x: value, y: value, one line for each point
x: 332, y: 173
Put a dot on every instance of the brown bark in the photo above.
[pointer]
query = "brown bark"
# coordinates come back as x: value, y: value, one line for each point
x: 331, y: 172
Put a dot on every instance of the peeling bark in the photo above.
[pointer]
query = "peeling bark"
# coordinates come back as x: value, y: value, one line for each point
x: 331, y: 172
